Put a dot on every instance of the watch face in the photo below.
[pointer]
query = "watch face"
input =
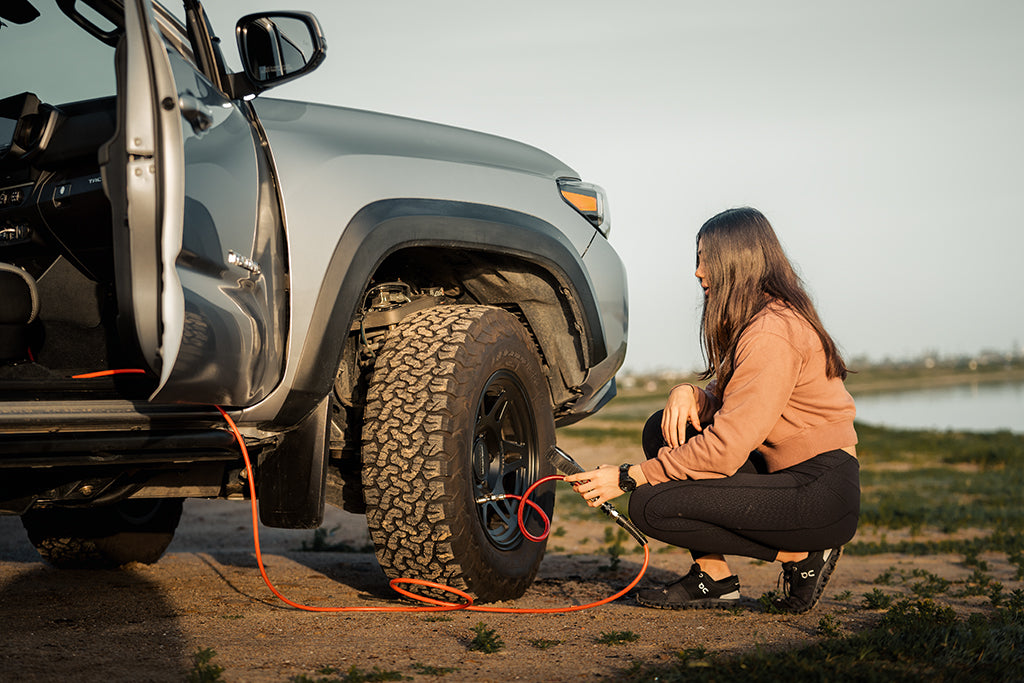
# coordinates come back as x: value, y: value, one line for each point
x: 626, y: 482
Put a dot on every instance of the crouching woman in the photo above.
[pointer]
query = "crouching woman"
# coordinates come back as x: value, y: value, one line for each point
x: 761, y: 463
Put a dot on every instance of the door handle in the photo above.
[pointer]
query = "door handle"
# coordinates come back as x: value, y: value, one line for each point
x: 196, y: 113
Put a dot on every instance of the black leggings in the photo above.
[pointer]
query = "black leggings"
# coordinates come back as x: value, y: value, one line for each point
x: 810, y: 506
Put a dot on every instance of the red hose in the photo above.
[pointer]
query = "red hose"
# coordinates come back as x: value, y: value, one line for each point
x: 396, y: 584
x: 107, y: 373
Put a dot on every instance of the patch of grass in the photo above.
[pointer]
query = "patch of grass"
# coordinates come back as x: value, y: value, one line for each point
x: 948, y: 480
x: 592, y: 433
x: 930, y: 585
x: 353, y: 675
x: 767, y: 602
x: 692, y: 654
x: 886, y: 577
x: 616, y: 637
x: 614, y: 536
x: 978, y: 583
x: 1016, y: 558
x: 203, y: 669
x: 876, y: 599
x: 999, y: 541
x: 570, y: 505
x: 427, y: 670
x: 971, y: 559
x: 829, y: 627
x: 916, y: 640
x: 930, y: 483
x: 543, y: 643
x: 485, y: 640
x: 438, y: 617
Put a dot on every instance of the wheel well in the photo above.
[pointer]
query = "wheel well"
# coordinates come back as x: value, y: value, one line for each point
x: 546, y: 307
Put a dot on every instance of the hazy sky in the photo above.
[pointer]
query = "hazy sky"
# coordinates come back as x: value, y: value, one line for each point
x: 882, y: 139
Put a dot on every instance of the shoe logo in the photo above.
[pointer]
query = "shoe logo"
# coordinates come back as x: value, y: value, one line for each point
x: 807, y: 574
x: 702, y: 588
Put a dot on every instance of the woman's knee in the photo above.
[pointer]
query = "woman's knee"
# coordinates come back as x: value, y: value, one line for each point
x: 652, y: 439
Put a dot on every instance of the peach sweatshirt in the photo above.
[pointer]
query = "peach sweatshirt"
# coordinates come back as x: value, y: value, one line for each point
x: 778, y: 402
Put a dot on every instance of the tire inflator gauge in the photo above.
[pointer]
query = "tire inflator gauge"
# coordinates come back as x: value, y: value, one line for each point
x: 564, y: 463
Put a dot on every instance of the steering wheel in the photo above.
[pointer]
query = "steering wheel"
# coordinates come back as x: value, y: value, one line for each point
x: 33, y: 125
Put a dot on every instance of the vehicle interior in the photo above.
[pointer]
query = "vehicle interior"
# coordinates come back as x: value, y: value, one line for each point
x: 59, y: 312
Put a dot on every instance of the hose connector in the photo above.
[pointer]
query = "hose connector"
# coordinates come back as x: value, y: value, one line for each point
x: 490, y: 498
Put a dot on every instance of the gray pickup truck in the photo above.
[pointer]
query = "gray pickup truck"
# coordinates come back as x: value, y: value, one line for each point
x: 396, y: 314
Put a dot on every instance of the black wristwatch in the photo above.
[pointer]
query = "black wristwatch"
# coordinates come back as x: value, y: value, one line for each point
x: 626, y: 482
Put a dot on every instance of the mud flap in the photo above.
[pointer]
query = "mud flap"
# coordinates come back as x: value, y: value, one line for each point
x: 291, y: 481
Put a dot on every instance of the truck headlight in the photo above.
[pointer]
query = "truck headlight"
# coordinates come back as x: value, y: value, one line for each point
x: 589, y: 200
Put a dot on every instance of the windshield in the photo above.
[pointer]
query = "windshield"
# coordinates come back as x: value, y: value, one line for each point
x: 6, y: 133
x: 54, y: 58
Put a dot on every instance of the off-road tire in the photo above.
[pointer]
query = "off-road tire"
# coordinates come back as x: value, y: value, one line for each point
x: 457, y: 407
x: 104, y: 537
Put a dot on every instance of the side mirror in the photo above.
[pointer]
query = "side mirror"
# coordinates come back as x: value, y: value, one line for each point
x: 276, y: 47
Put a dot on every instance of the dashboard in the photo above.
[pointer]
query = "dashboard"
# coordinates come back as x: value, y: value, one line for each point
x: 52, y: 200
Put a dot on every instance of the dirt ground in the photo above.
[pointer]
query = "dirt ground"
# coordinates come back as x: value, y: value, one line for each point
x: 144, y: 623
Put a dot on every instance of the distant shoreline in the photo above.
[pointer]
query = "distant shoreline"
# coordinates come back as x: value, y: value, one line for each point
x: 872, y: 380
x: 869, y: 382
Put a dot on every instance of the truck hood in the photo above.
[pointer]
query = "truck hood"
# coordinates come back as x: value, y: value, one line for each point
x: 335, y: 131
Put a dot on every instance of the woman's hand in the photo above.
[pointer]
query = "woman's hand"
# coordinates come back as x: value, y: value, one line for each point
x: 597, y: 486
x: 680, y: 408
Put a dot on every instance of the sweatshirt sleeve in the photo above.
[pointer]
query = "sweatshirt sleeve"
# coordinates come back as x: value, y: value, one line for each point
x: 767, y: 368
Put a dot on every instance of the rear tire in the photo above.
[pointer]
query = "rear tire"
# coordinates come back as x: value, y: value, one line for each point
x: 457, y: 409
x: 136, y: 530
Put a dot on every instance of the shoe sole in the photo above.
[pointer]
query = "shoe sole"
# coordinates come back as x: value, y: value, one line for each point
x: 705, y: 603
x: 826, y: 573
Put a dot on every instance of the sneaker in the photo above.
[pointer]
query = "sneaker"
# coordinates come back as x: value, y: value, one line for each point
x: 696, y: 590
x: 805, y: 581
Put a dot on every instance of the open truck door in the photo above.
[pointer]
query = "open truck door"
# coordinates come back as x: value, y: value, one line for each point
x: 200, y: 280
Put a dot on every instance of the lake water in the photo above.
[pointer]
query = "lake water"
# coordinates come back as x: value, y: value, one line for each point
x: 975, y: 407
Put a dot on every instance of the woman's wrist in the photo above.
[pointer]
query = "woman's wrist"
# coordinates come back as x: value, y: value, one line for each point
x: 637, y: 473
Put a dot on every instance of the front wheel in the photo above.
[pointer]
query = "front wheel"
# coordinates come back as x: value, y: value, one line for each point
x: 134, y: 530
x: 457, y: 415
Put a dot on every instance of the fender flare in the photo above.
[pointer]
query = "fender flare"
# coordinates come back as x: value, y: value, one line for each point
x: 380, y: 229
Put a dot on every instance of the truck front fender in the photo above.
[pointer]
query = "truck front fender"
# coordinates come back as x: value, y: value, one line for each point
x: 386, y: 226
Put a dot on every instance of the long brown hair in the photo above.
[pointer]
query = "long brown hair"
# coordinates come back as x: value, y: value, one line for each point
x: 745, y: 268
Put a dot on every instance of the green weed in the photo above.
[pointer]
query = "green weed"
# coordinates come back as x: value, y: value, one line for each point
x: 978, y: 583
x: 543, y: 643
x: 692, y: 654
x: 1016, y: 558
x: 876, y: 599
x: 767, y: 602
x: 616, y: 637
x: 930, y: 585
x: 428, y: 670
x: 614, y: 536
x: 829, y: 627
x: 203, y: 669
x: 886, y: 577
x: 485, y: 640
x: 353, y: 675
